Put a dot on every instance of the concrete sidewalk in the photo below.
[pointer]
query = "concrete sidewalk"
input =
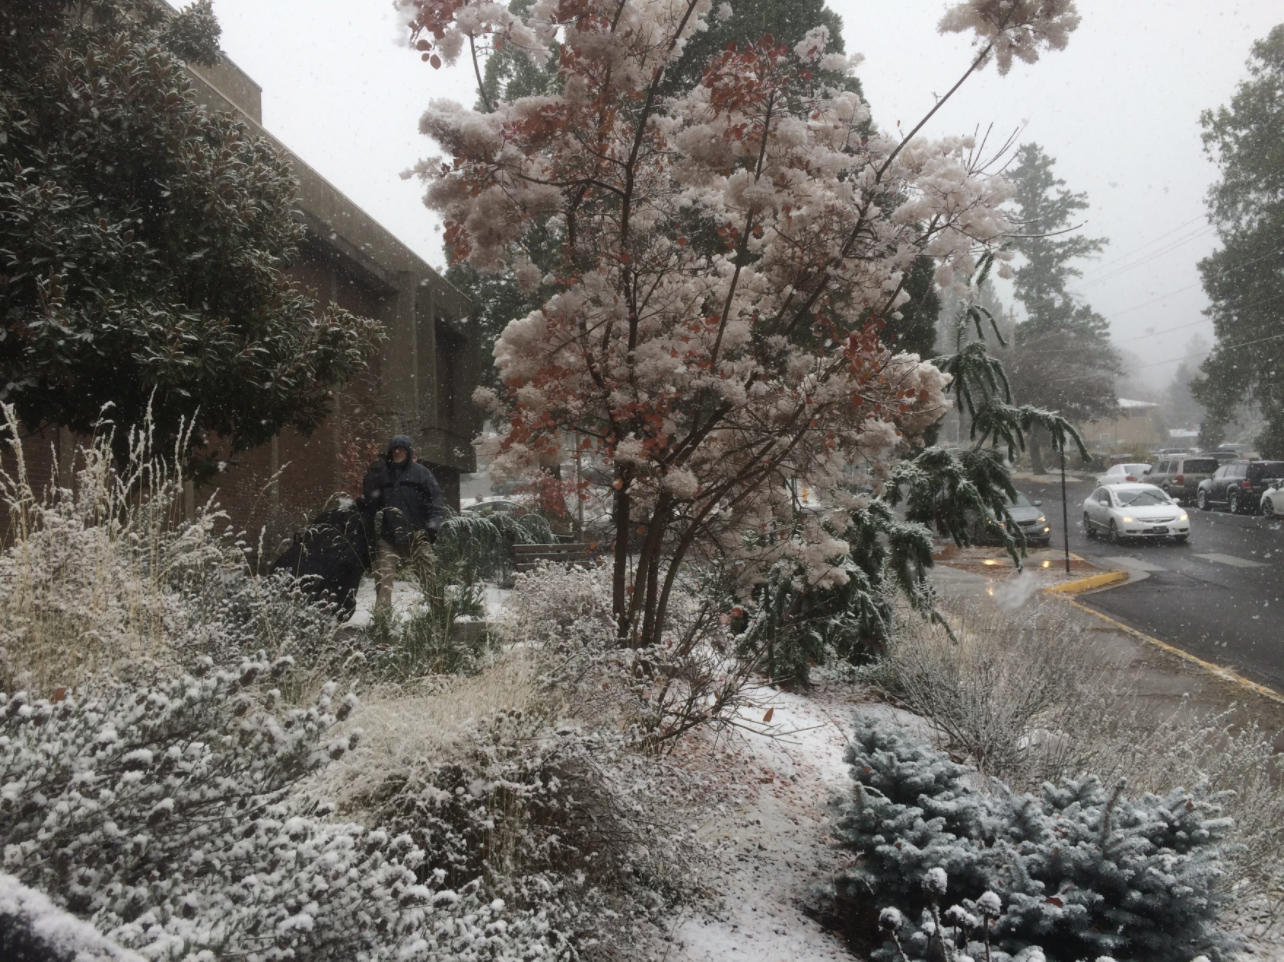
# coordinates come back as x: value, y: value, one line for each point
x: 1162, y: 671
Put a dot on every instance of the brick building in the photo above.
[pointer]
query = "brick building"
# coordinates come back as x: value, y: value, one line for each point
x: 420, y: 384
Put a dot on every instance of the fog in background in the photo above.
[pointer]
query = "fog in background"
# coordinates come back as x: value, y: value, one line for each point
x: 1118, y: 110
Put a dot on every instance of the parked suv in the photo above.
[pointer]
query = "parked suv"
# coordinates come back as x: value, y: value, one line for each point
x: 1179, y: 474
x: 1238, y: 485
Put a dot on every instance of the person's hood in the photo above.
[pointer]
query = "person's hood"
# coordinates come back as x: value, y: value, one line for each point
x: 400, y: 441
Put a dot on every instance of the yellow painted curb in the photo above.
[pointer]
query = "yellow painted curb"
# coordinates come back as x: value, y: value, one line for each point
x: 1226, y: 674
x: 1088, y: 583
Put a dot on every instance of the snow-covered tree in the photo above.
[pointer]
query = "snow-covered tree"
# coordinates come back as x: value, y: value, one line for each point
x: 143, y: 239
x: 1081, y: 870
x: 707, y: 379
x: 1243, y: 279
x: 1061, y: 357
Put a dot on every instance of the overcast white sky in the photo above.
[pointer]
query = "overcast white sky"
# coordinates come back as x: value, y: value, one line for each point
x: 1118, y: 110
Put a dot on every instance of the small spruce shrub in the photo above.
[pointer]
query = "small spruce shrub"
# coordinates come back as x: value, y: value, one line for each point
x: 1082, y: 871
x: 1032, y: 699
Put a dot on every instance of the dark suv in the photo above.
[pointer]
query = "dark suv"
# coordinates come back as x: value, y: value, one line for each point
x: 1179, y: 474
x: 1238, y: 485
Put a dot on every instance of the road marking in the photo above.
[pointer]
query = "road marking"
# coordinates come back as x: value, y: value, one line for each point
x: 1127, y: 561
x: 1230, y: 559
x: 1226, y: 674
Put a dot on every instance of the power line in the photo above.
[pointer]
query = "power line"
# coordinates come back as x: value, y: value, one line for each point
x: 1224, y: 347
x: 1166, y: 330
x: 1122, y: 266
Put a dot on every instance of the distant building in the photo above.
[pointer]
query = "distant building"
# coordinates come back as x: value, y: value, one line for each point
x: 1134, y: 428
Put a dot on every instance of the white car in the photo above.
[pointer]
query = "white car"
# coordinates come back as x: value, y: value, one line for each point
x: 1273, y: 501
x: 1131, y: 510
x: 1123, y: 473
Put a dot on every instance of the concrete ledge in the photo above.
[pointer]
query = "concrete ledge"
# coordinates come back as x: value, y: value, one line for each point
x: 1089, y: 583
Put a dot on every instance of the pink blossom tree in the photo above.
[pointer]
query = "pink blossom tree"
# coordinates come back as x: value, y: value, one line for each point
x: 727, y: 258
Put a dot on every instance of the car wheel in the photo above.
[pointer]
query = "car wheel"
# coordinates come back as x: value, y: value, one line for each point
x: 1087, y: 526
x: 1268, y: 509
x: 1112, y: 534
x: 1182, y: 539
x: 1201, y: 500
x: 1232, y: 502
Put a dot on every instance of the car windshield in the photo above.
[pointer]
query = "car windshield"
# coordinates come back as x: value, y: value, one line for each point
x: 1021, y: 501
x: 1143, y: 496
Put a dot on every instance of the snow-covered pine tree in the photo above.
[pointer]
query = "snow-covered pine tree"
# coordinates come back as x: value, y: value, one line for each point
x: 1081, y: 871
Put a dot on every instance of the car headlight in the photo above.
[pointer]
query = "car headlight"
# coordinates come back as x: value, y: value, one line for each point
x: 1041, y: 520
x: 1183, y: 516
x: 1126, y: 520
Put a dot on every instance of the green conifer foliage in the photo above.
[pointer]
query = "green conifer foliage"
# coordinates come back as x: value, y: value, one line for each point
x: 1081, y: 870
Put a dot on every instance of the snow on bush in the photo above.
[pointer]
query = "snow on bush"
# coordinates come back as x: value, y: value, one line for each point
x: 660, y: 692
x: 33, y: 928
x: 509, y: 777
x: 168, y: 815
x: 1082, y: 871
x: 1036, y: 698
x: 102, y: 560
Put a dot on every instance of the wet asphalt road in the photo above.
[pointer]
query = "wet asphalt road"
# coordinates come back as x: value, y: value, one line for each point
x: 1220, y: 598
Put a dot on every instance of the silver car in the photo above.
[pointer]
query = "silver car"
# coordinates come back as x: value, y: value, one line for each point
x: 1129, y: 510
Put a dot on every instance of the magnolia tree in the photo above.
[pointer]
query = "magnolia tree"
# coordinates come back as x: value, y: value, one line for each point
x: 727, y: 257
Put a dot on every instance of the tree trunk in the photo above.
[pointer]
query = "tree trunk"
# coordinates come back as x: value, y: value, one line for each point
x: 1036, y: 451
x: 620, y: 573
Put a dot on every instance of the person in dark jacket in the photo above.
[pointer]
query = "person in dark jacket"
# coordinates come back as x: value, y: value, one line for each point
x: 407, y: 503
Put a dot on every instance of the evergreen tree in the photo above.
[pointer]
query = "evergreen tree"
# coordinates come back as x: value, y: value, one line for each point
x: 1061, y: 357
x: 1081, y: 871
x: 143, y: 240
x: 1244, y: 280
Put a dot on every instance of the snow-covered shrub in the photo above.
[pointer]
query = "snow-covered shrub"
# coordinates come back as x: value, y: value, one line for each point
x: 1003, y: 691
x: 33, y: 929
x: 169, y: 815
x: 848, y: 613
x: 1081, y: 870
x: 659, y: 692
x: 102, y: 572
x: 568, y: 603
x: 476, y: 546
x: 1034, y: 698
x: 960, y: 933
x: 553, y: 814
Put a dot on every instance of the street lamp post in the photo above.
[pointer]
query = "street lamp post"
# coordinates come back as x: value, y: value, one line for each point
x: 1065, y: 506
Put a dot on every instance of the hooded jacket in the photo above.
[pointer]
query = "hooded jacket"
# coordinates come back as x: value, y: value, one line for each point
x: 407, y: 494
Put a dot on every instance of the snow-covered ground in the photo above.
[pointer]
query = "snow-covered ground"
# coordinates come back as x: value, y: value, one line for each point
x: 771, y: 836
x: 768, y: 821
